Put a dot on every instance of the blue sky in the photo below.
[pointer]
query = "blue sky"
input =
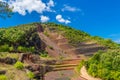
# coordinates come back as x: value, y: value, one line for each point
x: 97, y: 17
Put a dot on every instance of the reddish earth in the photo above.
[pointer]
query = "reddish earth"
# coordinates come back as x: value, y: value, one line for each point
x: 61, y: 75
x: 64, y: 71
x: 59, y: 48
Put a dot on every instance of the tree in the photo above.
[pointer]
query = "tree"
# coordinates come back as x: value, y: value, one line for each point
x: 5, y: 10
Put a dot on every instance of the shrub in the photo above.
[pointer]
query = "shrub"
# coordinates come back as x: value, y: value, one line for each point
x: 46, y: 33
x: 25, y: 49
x: 105, y: 65
x: 3, y: 77
x: 19, y: 65
x: 30, y: 75
x: 11, y: 49
x: 4, y: 48
x: 44, y: 54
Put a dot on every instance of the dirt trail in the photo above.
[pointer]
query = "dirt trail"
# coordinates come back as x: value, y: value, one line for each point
x: 65, y: 67
x: 84, y: 74
x: 61, y: 47
x: 57, y: 50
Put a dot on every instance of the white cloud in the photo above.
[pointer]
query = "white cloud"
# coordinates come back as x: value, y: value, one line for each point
x: 23, y: 6
x: 51, y: 3
x: 117, y: 41
x: 59, y: 18
x: 69, y: 8
x: 44, y: 18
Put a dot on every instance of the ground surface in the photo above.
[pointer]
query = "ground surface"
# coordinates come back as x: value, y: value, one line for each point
x: 70, y: 56
x: 85, y: 74
x: 12, y: 73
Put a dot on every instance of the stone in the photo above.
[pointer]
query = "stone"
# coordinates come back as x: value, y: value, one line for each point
x: 2, y: 72
x: 8, y: 60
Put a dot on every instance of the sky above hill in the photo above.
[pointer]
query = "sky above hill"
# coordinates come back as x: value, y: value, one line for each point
x: 97, y: 17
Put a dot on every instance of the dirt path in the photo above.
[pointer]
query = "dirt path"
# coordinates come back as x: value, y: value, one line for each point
x: 84, y: 74
x: 64, y: 70
x: 56, y: 50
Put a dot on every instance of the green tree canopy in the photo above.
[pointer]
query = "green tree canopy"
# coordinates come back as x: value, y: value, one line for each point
x: 5, y: 10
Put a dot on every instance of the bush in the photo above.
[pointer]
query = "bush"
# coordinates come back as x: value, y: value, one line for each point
x: 105, y: 65
x: 46, y: 33
x: 11, y: 49
x: 30, y: 75
x: 44, y: 54
x: 19, y: 65
x: 25, y: 49
x: 3, y: 77
x: 4, y: 48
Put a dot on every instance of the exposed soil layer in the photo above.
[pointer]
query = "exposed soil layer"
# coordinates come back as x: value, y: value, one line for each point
x: 69, y: 56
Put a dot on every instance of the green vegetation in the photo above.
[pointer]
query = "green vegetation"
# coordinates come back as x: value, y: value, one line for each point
x: 105, y: 65
x: 11, y: 55
x: 23, y: 38
x: 30, y: 75
x: 77, y: 36
x: 46, y: 33
x: 78, y: 68
x: 5, y: 10
x: 44, y: 54
x: 19, y: 65
x: 69, y: 33
x: 3, y: 77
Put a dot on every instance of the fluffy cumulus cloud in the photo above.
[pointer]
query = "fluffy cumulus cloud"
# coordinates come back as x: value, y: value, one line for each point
x: 69, y: 8
x: 59, y: 18
x: 23, y: 6
x: 44, y: 18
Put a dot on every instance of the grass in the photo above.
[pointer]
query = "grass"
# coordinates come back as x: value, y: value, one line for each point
x: 12, y: 73
x: 7, y: 54
x: 30, y: 75
x: 3, y: 77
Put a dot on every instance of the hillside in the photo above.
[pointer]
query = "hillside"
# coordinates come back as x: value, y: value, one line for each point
x: 46, y: 49
x: 23, y: 38
x: 73, y: 42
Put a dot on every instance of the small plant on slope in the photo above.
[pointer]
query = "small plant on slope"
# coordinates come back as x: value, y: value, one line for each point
x: 19, y: 65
